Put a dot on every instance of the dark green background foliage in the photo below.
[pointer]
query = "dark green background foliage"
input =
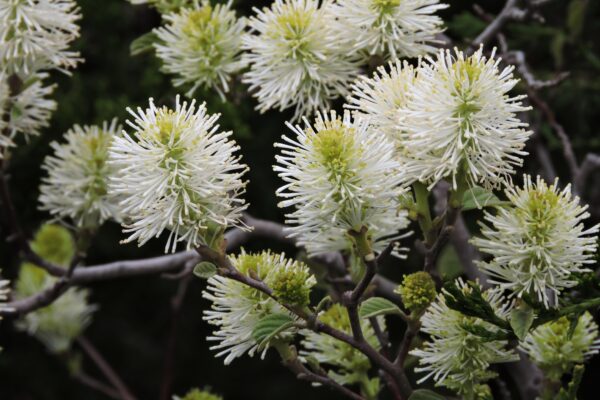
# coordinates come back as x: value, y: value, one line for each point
x: 133, y: 322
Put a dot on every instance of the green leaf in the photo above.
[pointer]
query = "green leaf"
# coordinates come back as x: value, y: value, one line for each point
x: 478, y: 197
x: 270, y: 326
x: 205, y: 270
x: 521, y: 319
x: 375, y: 306
x: 576, y: 18
x: 143, y: 44
x: 424, y: 394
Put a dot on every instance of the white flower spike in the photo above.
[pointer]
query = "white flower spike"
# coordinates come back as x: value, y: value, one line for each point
x: 237, y: 308
x: 551, y: 348
x: 295, y: 57
x: 460, y: 121
x: 390, y: 28
x: 35, y: 34
x: 201, y: 46
x: 538, y: 242
x: 177, y: 173
x: 378, y: 98
x: 78, y: 174
x: 27, y: 111
x: 454, y: 356
x: 339, y: 176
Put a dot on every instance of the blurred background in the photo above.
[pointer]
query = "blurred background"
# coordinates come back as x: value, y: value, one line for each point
x: 132, y: 325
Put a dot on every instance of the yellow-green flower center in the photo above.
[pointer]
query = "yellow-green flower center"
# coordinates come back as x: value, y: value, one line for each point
x: 335, y: 148
x: 293, y: 27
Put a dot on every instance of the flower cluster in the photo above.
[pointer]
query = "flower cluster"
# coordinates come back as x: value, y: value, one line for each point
x: 351, y: 366
x: 455, y: 356
x: 556, y: 351
x: 177, y: 173
x: 459, y: 121
x: 237, y: 308
x: 539, y: 242
x: 26, y: 111
x: 35, y: 34
x: 390, y: 28
x: 201, y: 45
x: 296, y: 57
x: 77, y: 183
x: 340, y: 176
x: 59, y: 323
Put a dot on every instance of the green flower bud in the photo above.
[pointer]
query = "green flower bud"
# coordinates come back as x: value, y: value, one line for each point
x: 197, y: 394
x: 54, y: 244
x: 292, y: 285
x: 417, y: 291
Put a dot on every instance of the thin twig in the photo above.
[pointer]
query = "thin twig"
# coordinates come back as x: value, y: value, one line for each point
x: 169, y: 363
x: 105, y: 368
x: 510, y: 11
x: 95, y: 384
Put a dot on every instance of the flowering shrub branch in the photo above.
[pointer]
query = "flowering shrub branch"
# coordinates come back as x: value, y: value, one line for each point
x: 420, y: 143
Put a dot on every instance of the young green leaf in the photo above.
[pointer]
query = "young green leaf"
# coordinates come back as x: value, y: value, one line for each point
x: 143, y: 44
x: 270, y: 326
x: 521, y: 319
x: 205, y: 270
x: 375, y: 306
x: 478, y: 197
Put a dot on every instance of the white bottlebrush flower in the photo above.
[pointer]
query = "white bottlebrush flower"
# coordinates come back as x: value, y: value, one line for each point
x: 78, y: 173
x: 4, y: 292
x: 379, y: 98
x: 31, y: 108
x: 537, y: 242
x: 454, y: 356
x: 350, y: 365
x: 5, y: 140
x: 177, y: 172
x: 25, y: 112
x: 35, y: 34
x: 237, y: 308
x: 295, y: 57
x: 201, y: 45
x: 550, y: 347
x: 460, y: 120
x: 339, y: 175
x: 58, y: 324
x: 391, y: 28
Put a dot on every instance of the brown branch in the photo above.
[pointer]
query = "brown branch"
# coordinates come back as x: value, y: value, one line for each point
x: 105, y: 368
x: 293, y: 363
x: 227, y: 270
x: 509, y: 12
